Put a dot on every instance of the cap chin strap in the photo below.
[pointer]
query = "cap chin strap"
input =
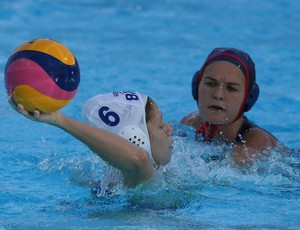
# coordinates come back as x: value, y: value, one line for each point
x: 203, y: 129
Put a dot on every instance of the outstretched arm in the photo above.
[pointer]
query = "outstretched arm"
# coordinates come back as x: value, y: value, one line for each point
x: 132, y: 160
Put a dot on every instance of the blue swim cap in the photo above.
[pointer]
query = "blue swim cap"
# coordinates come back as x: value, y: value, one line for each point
x: 243, y: 61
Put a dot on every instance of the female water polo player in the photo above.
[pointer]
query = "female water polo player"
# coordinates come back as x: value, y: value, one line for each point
x: 125, y: 129
x: 224, y: 88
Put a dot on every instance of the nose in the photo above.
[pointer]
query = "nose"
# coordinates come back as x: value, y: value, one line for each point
x: 169, y: 130
x: 218, y: 93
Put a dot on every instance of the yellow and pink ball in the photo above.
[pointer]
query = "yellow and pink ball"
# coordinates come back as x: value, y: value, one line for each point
x: 42, y: 74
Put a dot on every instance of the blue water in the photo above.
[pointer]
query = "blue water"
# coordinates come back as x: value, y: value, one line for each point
x: 46, y: 176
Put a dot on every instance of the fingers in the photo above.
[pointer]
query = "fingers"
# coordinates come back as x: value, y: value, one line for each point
x: 21, y: 109
x: 18, y: 107
x: 35, y: 115
x: 26, y: 113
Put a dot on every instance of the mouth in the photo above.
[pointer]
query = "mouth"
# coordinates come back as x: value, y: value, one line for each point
x: 171, y: 151
x: 216, y: 108
x: 171, y: 141
x: 171, y: 144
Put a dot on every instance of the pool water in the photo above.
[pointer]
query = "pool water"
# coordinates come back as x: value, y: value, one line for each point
x: 47, y: 177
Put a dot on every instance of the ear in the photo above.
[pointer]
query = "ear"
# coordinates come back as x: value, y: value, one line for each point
x: 252, y: 97
x: 136, y: 136
x: 195, y: 83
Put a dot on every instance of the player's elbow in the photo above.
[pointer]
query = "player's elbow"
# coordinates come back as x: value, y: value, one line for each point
x: 142, y: 167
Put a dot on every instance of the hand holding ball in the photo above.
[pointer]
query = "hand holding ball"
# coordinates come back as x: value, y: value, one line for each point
x: 43, y: 75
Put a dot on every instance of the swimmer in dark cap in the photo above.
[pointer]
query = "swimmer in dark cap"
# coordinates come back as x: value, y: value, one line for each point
x: 224, y: 88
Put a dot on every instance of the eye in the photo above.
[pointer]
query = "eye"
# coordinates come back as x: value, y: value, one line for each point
x: 210, y: 83
x: 231, y: 88
x: 162, y: 124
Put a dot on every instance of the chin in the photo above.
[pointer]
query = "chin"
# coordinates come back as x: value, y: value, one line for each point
x: 216, y: 118
x: 165, y: 161
x: 219, y: 121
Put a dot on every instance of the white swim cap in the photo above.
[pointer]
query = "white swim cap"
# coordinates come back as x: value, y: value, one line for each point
x: 122, y: 113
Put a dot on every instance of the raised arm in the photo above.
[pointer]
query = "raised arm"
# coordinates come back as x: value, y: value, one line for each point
x: 117, y: 151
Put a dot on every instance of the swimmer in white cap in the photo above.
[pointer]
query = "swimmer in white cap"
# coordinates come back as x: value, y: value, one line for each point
x: 125, y: 129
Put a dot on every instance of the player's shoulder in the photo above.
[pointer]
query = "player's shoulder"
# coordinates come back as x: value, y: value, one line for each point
x: 192, y: 119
